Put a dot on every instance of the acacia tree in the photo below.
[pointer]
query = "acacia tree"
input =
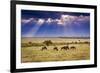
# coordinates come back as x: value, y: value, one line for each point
x: 47, y: 42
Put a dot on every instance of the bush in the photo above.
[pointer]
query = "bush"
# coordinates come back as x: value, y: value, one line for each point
x: 30, y: 44
x: 86, y: 42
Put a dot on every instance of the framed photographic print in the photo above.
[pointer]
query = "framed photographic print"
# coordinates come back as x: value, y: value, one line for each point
x: 52, y: 36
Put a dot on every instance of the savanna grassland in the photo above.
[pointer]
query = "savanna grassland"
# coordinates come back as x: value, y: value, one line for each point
x: 32, y: 49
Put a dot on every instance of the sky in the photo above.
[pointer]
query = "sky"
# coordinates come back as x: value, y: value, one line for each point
x: 54, y: 24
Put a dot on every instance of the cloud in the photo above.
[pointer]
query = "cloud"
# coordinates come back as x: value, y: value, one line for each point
x: 49, y: 20
x: 33, y: 20
x: 66, y: 19
x: 25, y: 21
x: 70, y: 19
x: 83, y: 18
x: 40, y: 21
x: 63, y: 20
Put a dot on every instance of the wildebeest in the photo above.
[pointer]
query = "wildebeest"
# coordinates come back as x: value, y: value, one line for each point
x: 44, y: 48
x: 72, y: 47
x: 55, y: 48
x: 65, y: 48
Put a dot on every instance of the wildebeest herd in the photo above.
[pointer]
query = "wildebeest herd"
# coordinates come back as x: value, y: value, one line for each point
x: 62, y: 48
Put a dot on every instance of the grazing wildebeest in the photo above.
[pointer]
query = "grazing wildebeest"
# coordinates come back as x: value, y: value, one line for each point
x: 72, y: 47
x: 44, y: 48
x: 55, y: 48
x: 65, y: 48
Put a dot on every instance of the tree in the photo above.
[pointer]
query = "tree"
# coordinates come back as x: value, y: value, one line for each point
x: 47, y: 42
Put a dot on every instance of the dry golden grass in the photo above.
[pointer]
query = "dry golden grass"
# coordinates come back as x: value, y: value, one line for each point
x: 35, y: 54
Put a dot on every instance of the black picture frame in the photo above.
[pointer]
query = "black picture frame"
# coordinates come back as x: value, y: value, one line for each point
x: 13, y: 36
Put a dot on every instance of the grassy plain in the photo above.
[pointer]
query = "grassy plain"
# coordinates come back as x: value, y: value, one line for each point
x: 35, y: 54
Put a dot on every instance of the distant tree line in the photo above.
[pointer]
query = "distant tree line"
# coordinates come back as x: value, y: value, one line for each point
x: 50, y: 43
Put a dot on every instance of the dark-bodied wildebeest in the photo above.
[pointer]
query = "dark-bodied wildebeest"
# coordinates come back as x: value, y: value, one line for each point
x: 72, y: 47
x: 44, y: 48
x: 55, y: 48
x: 65, y: 48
